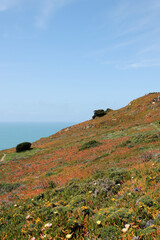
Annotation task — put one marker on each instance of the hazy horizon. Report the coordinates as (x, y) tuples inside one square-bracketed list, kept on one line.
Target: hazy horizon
[(13, 133)]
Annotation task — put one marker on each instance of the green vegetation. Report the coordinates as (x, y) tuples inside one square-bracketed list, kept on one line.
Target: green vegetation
[(118, 174), (8, 187), (108, 110), (110, 233), (83, 209), (14, 156), (99, 113), (48, 174), (146, 138), (89, 144), (23, 147)]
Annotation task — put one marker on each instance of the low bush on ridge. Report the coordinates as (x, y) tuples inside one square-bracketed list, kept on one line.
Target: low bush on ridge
[(101, 112)]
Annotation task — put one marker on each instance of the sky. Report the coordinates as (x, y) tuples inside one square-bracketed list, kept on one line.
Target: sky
[(62, 59)]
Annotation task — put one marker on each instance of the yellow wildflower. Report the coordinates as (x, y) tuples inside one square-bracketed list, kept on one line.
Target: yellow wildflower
[(38, 220), (84, 207)]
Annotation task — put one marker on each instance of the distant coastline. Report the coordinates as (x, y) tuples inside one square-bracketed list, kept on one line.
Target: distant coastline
[(13, 133)]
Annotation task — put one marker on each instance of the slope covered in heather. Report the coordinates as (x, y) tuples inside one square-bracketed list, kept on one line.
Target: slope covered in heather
[(87, 181)]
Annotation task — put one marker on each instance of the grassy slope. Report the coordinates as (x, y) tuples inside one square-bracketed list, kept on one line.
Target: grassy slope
[(130, 140)]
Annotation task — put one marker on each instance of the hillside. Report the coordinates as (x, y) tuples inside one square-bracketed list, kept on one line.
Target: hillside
[(96, 180)]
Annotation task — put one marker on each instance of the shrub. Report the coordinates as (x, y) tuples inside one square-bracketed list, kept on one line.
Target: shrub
[(99, 113), (115, 216), (103, 213), (123, 144), (147, 156), (146, 138), (51, 184), (131, 145), (8, 187), (118, 174), (143, 204), (23, 147), (110, 233), (122, 215), (78, 201), (103, 187), (73, 224), (147, 232), (48, 174), (108, 110), (99, 174), (39, 197), (89, 144), (72, 188), (84, 211), (146, 201), (62, 211)]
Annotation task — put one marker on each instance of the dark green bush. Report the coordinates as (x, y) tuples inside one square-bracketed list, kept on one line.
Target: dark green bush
[(99, 113), (89, 144), (23, 147)]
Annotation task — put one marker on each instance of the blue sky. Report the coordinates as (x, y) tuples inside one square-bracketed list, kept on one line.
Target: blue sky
[(62, 59)]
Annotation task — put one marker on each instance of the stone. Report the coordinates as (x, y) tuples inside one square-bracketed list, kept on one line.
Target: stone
[(136, 189), (149, 223), (120, 196), (138, 200)]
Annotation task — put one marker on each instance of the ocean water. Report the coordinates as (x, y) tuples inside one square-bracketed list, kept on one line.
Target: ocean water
[(12, 134)]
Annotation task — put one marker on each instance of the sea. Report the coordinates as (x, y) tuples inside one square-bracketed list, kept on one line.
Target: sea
[(12, 134)]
